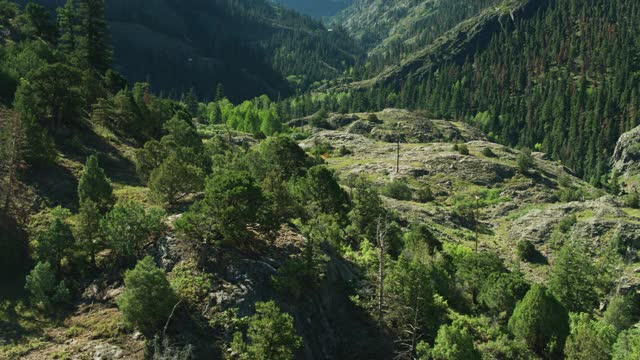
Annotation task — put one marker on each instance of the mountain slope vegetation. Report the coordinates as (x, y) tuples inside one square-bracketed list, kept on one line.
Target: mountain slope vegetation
[(248, 46), (393, 30), (316, 8), (554, 76), (418, 214)]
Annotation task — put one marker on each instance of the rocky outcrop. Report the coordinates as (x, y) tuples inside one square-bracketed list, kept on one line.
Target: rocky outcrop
[(626, 159)]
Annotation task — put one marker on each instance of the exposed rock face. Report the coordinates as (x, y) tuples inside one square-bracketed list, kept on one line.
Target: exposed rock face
[(331, 326), (626, 158)]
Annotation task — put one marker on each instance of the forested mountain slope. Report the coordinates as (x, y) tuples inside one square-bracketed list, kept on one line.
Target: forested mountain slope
[(316, 8), (394, 30), (250, 46), (559, 76)]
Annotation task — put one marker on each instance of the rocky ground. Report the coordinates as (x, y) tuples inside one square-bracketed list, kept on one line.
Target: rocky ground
[(523, 205)]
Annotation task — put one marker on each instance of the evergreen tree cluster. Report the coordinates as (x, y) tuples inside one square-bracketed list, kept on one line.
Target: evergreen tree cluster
[(561, 81)]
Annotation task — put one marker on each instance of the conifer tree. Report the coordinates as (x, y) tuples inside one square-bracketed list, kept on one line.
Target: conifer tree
[(95, 186), (93, 45)]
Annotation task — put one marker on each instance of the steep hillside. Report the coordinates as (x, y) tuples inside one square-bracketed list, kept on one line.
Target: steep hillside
[(249, 46), (316, 8), (393, 30), (513, 206), (555, 76)]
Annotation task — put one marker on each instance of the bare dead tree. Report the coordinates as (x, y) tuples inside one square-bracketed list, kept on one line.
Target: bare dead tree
[(409, 336)]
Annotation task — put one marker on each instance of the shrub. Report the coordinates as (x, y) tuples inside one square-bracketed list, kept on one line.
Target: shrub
[(541, 322), (398, 190), (344, 151), (526, 250), (270, 336), (589, 339), (128, 226), (572, 194), (566, 223), (44, 288), (474, 270), (174, 180), (564, 181), (628, 345), (373, 118), (632, 200), (421, 235), (232, 201), (573, 278), (488, 152), (620, 312), (524, 160), (454, 343), (94, 185), (148, 299), (189, 283), (502, 291), (463, 149), (54, 244), (424, 194)]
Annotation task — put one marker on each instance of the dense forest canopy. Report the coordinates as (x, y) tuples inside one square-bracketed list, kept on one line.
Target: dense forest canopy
[(231, 179)]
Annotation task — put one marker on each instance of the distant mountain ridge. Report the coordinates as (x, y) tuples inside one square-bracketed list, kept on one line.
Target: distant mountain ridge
[(316, 8), (250, 46)]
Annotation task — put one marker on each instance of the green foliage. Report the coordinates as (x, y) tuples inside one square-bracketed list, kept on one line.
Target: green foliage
[(621, 312), (488, 152), (147, 299), (454, 343), (281, 155), (573, 278), (421, 235), (501, 292), (128, 227), (424, 194), (270, 336), (462, 149), (45, 290), (541, 322), (506, 348), (589, 339), (627, 346), (232, 201), (87, 229), (475, 268), (190, 283), (367, 209), (53, 244), (573, 194), (632, 200), (526, 250), (51, 91), (412, 304), (397, 189), (373, 118), (524, 160), (319, 192), (292, 278), (150, 157), (173, 180), (95, 186), (566, 223)]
